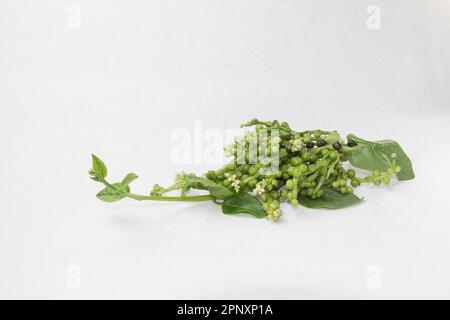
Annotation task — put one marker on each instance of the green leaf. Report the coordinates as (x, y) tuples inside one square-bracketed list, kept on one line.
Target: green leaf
[(367, 157), (128, 179), (332, 199), (98, 167), (214, 189), (243, 203), (377, 156), (388, 147), (113, 194)]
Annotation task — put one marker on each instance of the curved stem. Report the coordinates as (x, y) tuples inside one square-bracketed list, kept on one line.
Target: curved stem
[(160, 198)]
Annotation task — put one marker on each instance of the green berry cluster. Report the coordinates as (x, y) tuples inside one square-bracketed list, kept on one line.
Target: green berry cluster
[(308, 162), (272, 164)]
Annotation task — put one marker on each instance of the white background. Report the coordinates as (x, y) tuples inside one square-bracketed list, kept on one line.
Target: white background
[(134, 72)]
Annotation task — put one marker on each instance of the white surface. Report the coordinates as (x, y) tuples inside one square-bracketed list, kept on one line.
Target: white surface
[(133, 73)]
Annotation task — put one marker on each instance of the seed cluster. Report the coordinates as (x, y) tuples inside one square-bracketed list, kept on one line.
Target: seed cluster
[(308, 162)]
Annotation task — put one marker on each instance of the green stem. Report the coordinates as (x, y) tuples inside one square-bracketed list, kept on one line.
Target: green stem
[(346, 149), (165, 198), (173, 187), (160, 198)]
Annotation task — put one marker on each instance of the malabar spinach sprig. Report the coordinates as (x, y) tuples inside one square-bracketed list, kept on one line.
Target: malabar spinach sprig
[(310, 173)]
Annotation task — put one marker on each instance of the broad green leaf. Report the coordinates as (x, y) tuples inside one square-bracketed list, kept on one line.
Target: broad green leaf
[(98, 167), (113, 194), (388, 147), (128, 179), (367, 157), (214, 189), (377, 156), (243, 202), (332, 199)]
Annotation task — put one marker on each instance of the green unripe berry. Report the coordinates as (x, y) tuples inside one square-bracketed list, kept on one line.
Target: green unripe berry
[(397, 169), (303, 167), (335, 184), (343, 190), (306, 156), (252, 183), (295, 161), (283, 153), (253, 170), (332, 155), (376, 173), (274, 205), (349, 190), (294, 202), (325, 152), (290, 171), (286, 176), (355, 183), (351, 173), (386, 180), (290, 184), (342, 182), (265, 197), (377, 182), (296, 173), (290, 196)]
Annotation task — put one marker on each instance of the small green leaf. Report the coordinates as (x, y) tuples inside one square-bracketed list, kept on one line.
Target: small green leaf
[(113, 194), (98, 167), (128, 179), (243, 203), (332, 199), (377, 156), (214, 189)]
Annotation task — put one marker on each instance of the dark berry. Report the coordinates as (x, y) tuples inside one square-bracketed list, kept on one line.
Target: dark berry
[(322, 143), (337, 146), (310, 145), (352, 143)]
